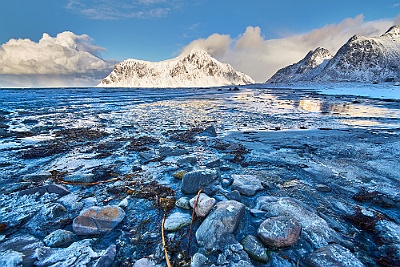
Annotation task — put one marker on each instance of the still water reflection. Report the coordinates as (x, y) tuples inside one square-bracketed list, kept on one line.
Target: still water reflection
[(157, 110)]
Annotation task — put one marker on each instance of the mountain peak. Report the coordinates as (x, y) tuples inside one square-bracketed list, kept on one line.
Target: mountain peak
[(366, 59), (394, 31), (195, 68), (361, 59), (307, 68)]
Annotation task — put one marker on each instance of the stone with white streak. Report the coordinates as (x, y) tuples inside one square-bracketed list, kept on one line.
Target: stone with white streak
[(217, 229), (204, 204)]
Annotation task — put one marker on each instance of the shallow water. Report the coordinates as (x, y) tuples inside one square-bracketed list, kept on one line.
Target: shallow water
[(31, 116)]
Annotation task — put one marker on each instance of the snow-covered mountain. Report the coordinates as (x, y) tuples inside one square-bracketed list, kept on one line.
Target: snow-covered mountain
[(194, 69), (361, 59), (306, 69)]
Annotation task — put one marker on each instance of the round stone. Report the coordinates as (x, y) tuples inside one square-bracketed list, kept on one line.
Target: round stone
[(282, 231)]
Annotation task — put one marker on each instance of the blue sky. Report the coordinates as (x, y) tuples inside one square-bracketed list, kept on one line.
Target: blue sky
[(159, 29)]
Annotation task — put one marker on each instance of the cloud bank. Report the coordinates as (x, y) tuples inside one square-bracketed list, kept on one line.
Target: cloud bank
[(67, 58), (122, 9), (260, 58)]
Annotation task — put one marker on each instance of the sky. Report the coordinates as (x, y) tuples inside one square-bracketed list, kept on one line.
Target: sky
[(77, 42)]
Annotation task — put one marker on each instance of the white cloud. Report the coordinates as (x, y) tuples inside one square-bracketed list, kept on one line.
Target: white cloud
[(65, 56), (122, 9), (259, 57), (216, 44)]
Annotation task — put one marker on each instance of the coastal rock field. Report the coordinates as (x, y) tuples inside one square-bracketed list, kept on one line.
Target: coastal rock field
[(198, 177)]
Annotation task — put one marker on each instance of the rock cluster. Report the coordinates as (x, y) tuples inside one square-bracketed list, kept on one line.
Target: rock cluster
[(217, 213)]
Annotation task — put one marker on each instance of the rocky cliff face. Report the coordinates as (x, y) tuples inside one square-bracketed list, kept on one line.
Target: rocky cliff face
[(361, 59), (306, 69), (195, 69)]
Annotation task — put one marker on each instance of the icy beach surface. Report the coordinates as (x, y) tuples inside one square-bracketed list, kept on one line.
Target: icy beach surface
[(325, 157)]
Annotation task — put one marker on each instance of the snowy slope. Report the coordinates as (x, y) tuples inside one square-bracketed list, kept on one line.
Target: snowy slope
[(306, 69), (195, 69), (361, 59), (366, 59)]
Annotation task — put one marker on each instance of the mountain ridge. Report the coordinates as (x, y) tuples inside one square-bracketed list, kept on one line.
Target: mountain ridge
[(360, 59), (193, 69)]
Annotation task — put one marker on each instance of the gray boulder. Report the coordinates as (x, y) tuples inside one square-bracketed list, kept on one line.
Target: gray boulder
[(21, 249), (59, 238), (198, 260), (314, 229), (177, 221), (217, 229), (332, 256), (98, 220), (183, 203), (256, 250), (77, 254), (247, 185), (108, 257), (277, 232), (193, 181)]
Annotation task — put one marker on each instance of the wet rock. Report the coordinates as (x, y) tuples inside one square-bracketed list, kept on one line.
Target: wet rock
[(10, 258), (77, 254), (168, 151), (71, 202), (332, 255), (88, 202), (80, 178), (4, 133), (374, 197), (148, 155), (24, 208), (226, 182), (18, 245), (204, 204), (107, 259), (365, 218), (59, 238), (258, 213), (234, 255), (183, 203), (192, 159), (51, 215), (247, 185), (323, 188), (217, 229), (145, 262), (193, 181), (98, 220), (314, 229), (198, 260), (234, 195), (209, 131), (256, 250), (51, 188), (177, 221), (124, 203), (213, 163), (277, 232), (388, 234), (226, 168)]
